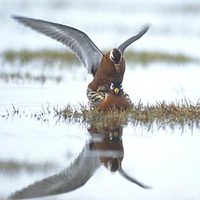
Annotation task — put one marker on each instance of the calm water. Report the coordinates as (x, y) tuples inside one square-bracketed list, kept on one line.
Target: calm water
[(33, 149), (166, 160)]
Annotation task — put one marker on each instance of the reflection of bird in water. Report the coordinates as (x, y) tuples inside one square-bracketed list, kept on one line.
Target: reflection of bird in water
[(105, 148), (107, 70)]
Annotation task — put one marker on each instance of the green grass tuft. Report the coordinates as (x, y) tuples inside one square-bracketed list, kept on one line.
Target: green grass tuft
[(161, 115), (146, 57), (14, 167), (47, 56), (50, 57), (151, 116)]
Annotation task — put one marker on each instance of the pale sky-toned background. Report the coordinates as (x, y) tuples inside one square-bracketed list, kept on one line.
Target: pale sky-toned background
[(167, 160)]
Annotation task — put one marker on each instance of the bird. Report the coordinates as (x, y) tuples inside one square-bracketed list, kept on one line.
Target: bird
[(105, 90), (116, 98), (104, 148)]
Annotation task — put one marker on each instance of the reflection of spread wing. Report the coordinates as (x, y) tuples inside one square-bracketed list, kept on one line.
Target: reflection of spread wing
[(71, 178), (133, 180), (76, 40)]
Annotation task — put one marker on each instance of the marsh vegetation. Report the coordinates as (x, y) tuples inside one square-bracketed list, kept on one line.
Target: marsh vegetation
[(45, 118), (52, 57)]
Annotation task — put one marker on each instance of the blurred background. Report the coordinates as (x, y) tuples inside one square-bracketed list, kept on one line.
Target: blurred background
[(174, 23), (162, 66), (171, 42)]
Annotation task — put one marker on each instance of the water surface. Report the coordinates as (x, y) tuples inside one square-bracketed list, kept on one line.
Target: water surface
[(34, 143)]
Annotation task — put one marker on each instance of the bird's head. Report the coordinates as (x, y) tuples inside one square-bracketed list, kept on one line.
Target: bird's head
[(116, 58)]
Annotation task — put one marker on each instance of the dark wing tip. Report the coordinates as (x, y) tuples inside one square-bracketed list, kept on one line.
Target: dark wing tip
[(19, 18), (13, 16), (23, 18), (133, 180), (145, 29), (134, 38), (16, 17)]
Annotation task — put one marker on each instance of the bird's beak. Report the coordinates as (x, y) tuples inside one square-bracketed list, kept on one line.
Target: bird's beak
[(116, 90), (117, 67)]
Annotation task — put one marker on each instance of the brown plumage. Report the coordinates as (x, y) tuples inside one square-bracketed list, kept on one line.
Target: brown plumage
[(110, 142), (107, 70), (107, 73), (113, 100)]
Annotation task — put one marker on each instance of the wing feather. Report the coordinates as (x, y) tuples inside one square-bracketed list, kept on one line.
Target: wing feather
[(76, 40), (71, 178), (132, 39)]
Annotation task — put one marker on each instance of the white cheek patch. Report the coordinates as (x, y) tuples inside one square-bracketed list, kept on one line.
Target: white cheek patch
[(111, 55)]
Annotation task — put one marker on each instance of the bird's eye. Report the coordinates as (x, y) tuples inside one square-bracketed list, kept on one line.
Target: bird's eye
[(115, 56)]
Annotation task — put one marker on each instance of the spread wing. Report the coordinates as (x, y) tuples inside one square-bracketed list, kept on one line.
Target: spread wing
[(132, 179), (76, 40), (71, 178), (125, 44)]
